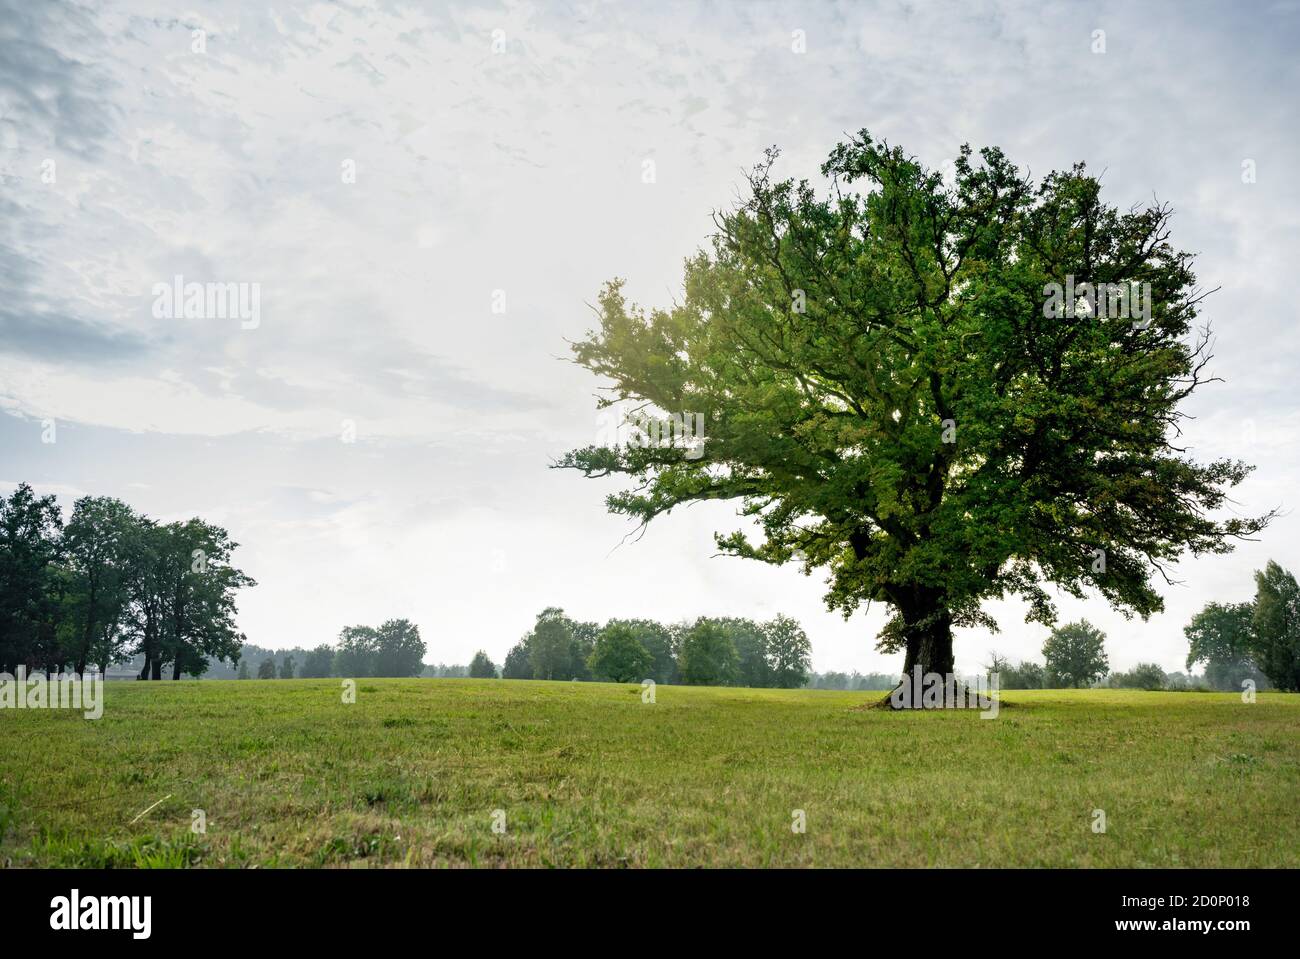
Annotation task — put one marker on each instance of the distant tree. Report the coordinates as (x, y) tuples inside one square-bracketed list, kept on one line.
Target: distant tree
[(619, 656), (580, 649), (266, 670), (1221, 636), (243, 669), (659, 643), (996, 664), (708, 656), (29, 549), (750, 641), (318, 663), (481, 667), (94, 544), (1142, 676), (399, 650), (1025, 675), (1075, 654), (789, 653), (355, 654), (287, 667), (1275, 627), (551, 645), (519, 663)]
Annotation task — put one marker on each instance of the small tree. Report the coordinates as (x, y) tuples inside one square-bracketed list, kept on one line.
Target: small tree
[(287, 667), (708, 656), (789, 653), (619, 656), (267, 669), (481, 667), (1275, 642), (1075, 654), (243, 669), (1142, 676)]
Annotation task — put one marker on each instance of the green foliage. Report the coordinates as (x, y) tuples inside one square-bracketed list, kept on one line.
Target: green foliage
[(1075, 654), (1275, 627), (619, 656), (708, 655), (1142, 676), (243, 669), (789, 653), (519, 663), (481, 667), (266, 669), (1221, 636), (659, 641), (887, 399), (394, 649), (318, 663), (287, 667)]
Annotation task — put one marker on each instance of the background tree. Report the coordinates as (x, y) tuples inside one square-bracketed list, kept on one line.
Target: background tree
[(789, 653), (658, 641), (29, 549), (1075, 654), (551, 645), (1275, 627), (482, 667), (287, 667), (318, 663), (708, 656), (355, 653), (399, 650), (199, 586), (243, 669), (519, 662), (94, 547), (1147, 676), (619, 656), (750, 641), (887, 398), (266, 669), (1221, 636)]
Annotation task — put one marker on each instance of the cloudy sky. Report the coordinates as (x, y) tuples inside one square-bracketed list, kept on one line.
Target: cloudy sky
[(499, 150)]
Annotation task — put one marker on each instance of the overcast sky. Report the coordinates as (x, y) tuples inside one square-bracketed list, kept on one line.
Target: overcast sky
[(519, 169)]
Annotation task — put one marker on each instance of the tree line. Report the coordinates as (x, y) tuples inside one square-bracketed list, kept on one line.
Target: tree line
[(710, 651), (1256, 641), (112, 583)]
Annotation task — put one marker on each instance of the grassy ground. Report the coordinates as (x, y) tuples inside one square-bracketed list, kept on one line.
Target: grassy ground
[(588, 775)]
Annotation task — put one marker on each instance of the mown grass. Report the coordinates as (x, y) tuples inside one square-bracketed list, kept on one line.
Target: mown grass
[(589, 775)]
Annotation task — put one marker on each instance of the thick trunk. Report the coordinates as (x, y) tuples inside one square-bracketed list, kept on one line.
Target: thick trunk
[(176, 670), (928, 628), (156, 671)]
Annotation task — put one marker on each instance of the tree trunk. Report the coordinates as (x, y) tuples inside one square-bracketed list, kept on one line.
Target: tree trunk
[(156, 671), (927, 630), (176, 670), (927, 625)]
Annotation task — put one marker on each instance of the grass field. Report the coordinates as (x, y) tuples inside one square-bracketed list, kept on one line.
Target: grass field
[(589, 775)]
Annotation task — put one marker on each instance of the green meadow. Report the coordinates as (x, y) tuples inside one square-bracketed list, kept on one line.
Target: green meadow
[(487, 773)]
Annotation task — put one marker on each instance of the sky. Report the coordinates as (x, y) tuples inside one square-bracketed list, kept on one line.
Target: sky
[(428, 197)]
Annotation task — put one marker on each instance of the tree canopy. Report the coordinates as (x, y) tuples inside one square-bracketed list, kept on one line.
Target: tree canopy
[(893, 392)]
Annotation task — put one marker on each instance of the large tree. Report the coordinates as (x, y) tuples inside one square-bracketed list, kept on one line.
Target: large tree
[(892, 392)]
